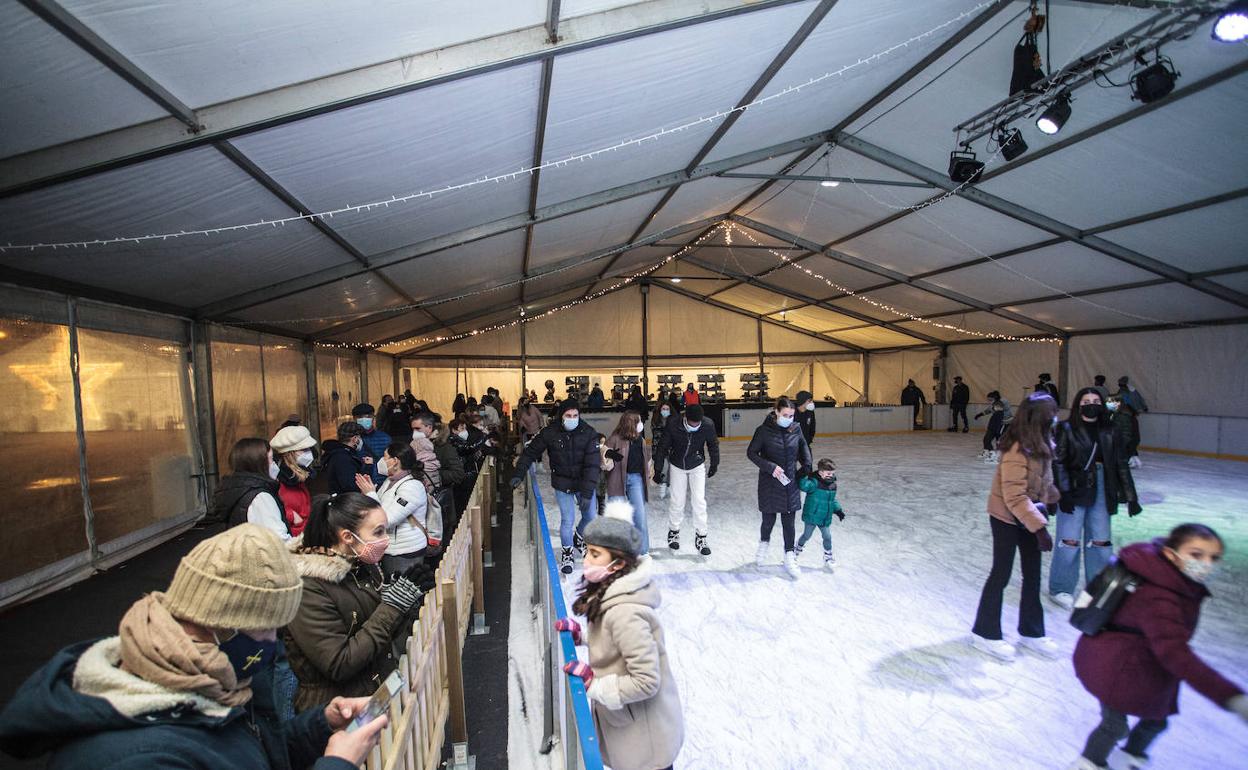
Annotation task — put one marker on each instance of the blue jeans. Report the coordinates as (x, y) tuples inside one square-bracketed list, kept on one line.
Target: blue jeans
[(635, 488), (1076, 533), (569, 506), (809, 530)]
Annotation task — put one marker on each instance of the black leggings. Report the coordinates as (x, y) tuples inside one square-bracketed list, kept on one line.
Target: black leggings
[(996, 426), (786, 526), (1006, 538)]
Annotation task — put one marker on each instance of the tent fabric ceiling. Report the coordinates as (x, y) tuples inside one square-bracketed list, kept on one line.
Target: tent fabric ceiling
[(1182, 154)]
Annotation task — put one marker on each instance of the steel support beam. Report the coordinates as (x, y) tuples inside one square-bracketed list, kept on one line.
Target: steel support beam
[(539, 141), (818, 178), (552, 21), (280, 106), (85, 38)]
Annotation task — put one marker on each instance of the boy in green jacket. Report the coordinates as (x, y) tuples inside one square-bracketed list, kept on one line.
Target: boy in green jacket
[(820, 507)]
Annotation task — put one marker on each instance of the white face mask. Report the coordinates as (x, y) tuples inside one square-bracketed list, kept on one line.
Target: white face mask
[(273, 469), (383, 466), (463, 435), (665, 412), (419, 434), (641, 426), (305, 458), (810, 407)]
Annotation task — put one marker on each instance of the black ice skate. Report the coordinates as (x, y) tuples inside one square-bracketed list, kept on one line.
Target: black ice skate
[(565, 561), (578, 542), (673, 539), (699, 542)]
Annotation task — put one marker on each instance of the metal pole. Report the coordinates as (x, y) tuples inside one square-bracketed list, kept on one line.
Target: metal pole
[(314, 407), (645, 339), (205, 410), (84, 477), (1063, 369), (264, 393), (761, 363), (866, 378)]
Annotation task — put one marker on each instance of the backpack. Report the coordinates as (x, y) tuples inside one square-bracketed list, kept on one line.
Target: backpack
[(1097, 603)]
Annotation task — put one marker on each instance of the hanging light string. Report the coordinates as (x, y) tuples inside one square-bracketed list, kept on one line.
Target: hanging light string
[(788, 262), (444, 338), (513, 175)]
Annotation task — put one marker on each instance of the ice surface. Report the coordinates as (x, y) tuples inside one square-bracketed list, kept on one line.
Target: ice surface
[(869, 667)]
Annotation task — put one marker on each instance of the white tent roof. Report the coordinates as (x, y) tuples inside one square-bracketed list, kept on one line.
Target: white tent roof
[(126, 119)]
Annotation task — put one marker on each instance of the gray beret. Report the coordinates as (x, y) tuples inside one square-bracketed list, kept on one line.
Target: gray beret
[(615, 534)]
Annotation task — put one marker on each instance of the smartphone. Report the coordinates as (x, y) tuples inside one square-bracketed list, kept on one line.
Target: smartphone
[(784, 478), (379, 704)]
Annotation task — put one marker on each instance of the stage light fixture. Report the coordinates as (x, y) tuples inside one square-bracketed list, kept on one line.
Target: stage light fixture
[(1055, 115), (1154, 81), (1231, 26), (963, 167), (1011, 143)]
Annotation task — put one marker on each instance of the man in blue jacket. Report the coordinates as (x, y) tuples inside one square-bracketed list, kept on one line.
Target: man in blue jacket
[(344, 457), (375, 439)]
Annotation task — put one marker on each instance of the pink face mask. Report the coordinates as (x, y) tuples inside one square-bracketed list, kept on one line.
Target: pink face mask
[(595, 573), (373, 550)]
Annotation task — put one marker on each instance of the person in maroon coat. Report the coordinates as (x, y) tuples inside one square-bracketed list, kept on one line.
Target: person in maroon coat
[(1135, 665)]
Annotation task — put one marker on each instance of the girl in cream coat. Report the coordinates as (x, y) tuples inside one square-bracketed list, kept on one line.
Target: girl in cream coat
[(628, 677)]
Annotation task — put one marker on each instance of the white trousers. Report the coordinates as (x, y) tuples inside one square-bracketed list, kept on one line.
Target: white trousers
[(682, 482)]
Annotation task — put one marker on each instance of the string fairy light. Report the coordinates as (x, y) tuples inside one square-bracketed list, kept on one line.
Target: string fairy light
[(511, 175)]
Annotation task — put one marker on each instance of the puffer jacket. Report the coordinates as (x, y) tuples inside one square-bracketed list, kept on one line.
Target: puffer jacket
[(821, 503), (574, 460), (774, 446), (1075, 465), (687, 449), (1019, 483), (235, 494), (341, 641), (635, 700)]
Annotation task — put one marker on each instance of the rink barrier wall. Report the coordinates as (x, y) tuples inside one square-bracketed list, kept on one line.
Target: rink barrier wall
[(433, 694), (568, 720)]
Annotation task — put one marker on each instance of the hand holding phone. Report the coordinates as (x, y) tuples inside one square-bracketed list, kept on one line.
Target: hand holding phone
[(379, 704)]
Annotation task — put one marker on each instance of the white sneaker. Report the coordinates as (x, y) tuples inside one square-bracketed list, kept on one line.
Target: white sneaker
[(1063, 600), (1121, 760), (760, 556), (1083, 763), (1134, 462), (1041, 645), (997, 648), (790, 565)]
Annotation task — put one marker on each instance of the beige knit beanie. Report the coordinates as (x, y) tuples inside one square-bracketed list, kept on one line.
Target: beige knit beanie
[(243, 578)]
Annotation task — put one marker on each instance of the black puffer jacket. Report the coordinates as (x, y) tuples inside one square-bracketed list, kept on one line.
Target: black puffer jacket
[(574, 460), (806, 421), (1074, 466), (234, 495), (685, 449), (787, 448), (961, 395)]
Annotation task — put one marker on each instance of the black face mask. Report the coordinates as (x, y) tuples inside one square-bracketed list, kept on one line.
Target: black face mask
[(1092, 411)]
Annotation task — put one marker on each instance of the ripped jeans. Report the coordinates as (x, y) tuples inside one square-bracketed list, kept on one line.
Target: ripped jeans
[(1078, 533)]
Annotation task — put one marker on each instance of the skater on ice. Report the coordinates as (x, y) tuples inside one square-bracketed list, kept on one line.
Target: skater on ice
[(779, 450), (819, 508)]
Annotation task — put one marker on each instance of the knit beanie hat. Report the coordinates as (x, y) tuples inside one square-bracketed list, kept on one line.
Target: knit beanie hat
[(243, 578), (614, 532), (292, 438), (803, 396), (693, 413), (570, 403)]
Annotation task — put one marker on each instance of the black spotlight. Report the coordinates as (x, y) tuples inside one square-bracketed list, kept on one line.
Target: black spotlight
[(1154, 81), (1011, 143), (1055, 115), (963, 167)]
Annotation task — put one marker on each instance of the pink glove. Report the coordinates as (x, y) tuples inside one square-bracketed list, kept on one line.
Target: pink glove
[(581, 669), (569, 624)]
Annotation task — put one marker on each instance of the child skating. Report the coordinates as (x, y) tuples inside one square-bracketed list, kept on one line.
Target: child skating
[(820, 506)]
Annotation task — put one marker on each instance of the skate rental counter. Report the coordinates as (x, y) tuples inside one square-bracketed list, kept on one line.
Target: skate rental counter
[(738, 421)]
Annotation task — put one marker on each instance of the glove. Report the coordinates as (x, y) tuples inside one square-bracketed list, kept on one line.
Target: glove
[(840, 515), (614, 454), (658, 477), (711, 471), (1045, 540), (1239, 705), (581, 669), (516, 481), (1066, 505), (402, 594), (1044, 510), (569, 624), (1134, 509)]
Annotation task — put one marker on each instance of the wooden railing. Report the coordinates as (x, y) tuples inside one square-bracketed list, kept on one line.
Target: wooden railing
[(431, 666)]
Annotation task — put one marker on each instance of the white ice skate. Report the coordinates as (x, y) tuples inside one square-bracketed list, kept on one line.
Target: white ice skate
[(1121, 760), (760, 556), (1082, 763), (993, 458), (1134, 462), (1041, 645), (790, 565), (1063, 600), (997, 648), (829, 562)]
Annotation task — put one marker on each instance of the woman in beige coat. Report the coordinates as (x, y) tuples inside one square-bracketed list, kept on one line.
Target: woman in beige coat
[(628, 677)]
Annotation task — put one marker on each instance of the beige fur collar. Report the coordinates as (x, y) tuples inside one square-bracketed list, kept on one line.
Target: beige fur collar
[(319, 563), (98, 673)]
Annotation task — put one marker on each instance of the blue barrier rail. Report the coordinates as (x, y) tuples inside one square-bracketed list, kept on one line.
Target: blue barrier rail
[(582, 715)]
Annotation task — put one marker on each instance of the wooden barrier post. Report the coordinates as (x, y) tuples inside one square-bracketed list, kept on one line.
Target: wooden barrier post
[(486, 514), (478, 573), (460, 760)]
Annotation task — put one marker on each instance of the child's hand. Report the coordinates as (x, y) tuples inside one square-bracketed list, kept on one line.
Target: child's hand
[(840, 515), (569, 624), (581, 669)]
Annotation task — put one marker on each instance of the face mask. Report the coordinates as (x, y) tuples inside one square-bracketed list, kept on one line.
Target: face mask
[(248, 656), (641, 426), (273, 470), (373, 550), (366, 423), (305, 458), (692, 428), (595, 573), (419, 434), (1200, 571), (570, 423), (784, 422), (1091, 411), (463, 435), (1112, 406), (810, 407), (665, 412), (383, 466)]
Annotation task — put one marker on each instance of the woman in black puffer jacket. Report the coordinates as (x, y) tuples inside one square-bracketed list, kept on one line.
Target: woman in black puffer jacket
[(781, 453)]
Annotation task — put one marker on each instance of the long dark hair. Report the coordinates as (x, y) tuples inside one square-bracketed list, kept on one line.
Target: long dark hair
[(1076, 418), (589, 603), (626, 428), (330, 514), (784, 402), (250, 455), (403, 452), (1032, 428)]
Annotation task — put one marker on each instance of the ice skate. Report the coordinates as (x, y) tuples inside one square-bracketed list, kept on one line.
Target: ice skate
[(994, 458), (790, 565), (951, 429), (1063, 600), (1082, 763), (797, 549), (673, 539), (1041, 645), (1134, 462), (578, 543), (997, 648), (700, 544), (829, 561), (1121, 760), (966, 430), (760, 556), (566, 561)]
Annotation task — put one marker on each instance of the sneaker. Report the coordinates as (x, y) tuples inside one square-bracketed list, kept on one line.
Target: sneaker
[(760, 556), (1063, 600), (1041, 645), (1083, 763), (566, 561), (1121, 760), (997, 648), (1134, 462), (578, 543), (699, 542), (790, 565), (828, 560), (673, 539)]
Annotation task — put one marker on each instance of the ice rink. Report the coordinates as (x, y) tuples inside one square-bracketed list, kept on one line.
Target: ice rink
[(868, 667)]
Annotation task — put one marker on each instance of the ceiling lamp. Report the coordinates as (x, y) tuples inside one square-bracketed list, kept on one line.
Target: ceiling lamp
[(829, 183), (1231, 26), (963, 167), (1056, 115), (1154, 81), (1011, 143)]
